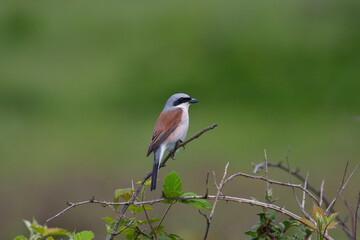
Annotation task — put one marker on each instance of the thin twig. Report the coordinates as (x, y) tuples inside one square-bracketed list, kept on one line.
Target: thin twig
[(72, 205), (303, 200), (351, 213), (207, 184), (321, 192), (274, 182), (293, 189), (215, 184), (298, 175), (342, 187), (163, 217), (356, 215), (128, 225), (221, 185), (266, 176), (148, 219)]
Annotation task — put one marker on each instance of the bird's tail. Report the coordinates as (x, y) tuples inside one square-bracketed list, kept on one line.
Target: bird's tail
[(154, 173), (157, 159)]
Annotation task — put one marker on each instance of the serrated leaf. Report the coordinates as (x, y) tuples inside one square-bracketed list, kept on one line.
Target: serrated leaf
[(55, 231), (109, 220), (317, 211), (308, 223), (84, 235), (21, 237), (147, 207), (172, 185), (199, 203), (251, 233), (163, 238), (332, 225), (332, 217), (173, 236), (38, 229), (125, 193), (155, 219), (28, 225)]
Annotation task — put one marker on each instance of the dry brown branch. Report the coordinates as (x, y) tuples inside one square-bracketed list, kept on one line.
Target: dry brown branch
[(297, 174), (163, 217), (342, 186), (274, 182), (221, 185), (303, 200), (356, 215), (321, 192), (266, 174)]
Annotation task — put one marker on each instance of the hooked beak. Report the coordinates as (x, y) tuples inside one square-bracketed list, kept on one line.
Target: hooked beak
[(193, 100)]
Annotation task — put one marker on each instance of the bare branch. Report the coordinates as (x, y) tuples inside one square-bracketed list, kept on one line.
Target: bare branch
[(274, 182), (293, 189), (303, 200), (72, 205), (321, 192), (266, 174), (163, 217), (356, 215), (351, 213), (128, 225), (342, 186), (149, 222), (207, 184), (298, 175), (221, 185)]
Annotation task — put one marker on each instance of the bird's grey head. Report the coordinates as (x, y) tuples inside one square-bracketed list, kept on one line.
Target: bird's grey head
[(179, 100)]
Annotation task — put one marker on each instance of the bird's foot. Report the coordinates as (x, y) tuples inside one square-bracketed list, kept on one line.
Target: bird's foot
[(172, 155), (178, 143)]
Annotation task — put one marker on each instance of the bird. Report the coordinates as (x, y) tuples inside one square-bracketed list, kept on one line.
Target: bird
[(171, 127)]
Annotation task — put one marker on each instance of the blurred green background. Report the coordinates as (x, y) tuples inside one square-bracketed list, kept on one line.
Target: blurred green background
[(82, 84)]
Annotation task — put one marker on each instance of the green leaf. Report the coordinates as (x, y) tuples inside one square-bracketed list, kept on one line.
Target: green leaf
[(155, 219), (173, 236), (55, 231), (172, 185), (38, 229), (135, 209), (125, 193), (84, 235), (331, 218), (49, 238), (199, 203), (163, 238), (21, 237), (251, 233), (28, 225), (109, 220)]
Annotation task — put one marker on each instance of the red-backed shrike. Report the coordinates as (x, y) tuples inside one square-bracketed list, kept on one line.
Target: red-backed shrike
[(171, 126)]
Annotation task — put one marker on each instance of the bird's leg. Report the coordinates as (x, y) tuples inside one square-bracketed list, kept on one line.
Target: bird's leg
[(172, 154), (179, 142)]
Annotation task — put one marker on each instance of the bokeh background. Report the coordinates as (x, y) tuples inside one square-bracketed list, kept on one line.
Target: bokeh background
[(82, 83)]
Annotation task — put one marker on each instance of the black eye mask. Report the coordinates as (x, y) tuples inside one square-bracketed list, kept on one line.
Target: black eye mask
[(182, 100)]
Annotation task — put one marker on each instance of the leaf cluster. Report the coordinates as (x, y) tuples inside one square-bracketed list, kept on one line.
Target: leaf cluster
[(266, 228), (42, 232), (131, 227)]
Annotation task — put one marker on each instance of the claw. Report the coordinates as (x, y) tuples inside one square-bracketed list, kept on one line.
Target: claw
[(172, 155)]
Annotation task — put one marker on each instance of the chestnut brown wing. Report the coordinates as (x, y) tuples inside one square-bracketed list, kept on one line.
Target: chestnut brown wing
[(165, 125)]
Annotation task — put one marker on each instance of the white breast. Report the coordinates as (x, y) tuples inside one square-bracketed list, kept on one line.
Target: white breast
[(180, 132)]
